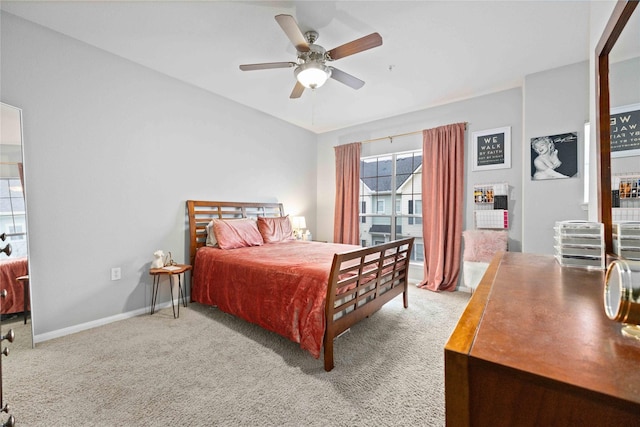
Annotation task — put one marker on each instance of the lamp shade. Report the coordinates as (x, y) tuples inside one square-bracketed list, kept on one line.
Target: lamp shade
[(312, 74), (298, 222)]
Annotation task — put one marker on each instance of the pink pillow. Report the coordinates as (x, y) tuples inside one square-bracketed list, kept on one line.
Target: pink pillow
[(275, 229), (482, 245), (236, 233)]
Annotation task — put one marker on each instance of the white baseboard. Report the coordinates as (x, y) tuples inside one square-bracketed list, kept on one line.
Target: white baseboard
[(100, 322)]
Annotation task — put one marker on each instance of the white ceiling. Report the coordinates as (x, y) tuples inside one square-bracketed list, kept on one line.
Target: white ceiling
[(433, 52)]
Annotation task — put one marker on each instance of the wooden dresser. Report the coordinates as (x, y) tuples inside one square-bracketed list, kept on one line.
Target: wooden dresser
[(534, 347)]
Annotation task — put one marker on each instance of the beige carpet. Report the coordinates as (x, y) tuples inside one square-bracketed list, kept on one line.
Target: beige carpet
[(208, 368)]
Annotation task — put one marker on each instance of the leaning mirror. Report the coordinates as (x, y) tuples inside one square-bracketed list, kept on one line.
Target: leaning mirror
[(624, 95), (14, 272), (614, 53)]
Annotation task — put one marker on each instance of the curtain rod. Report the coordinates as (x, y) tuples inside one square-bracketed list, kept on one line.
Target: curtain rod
[(390, 137), (10, 163)]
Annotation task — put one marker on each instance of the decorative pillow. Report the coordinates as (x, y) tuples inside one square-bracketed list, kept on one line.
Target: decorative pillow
[(275, 229), (482, 245), (237, 233), (211, 237)]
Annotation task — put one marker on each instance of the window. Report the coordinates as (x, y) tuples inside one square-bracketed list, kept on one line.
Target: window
[(417, 254), (393, 180), (587, 141), (415, 208)]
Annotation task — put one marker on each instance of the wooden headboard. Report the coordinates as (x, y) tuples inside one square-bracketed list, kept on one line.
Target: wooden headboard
[(202, 212)]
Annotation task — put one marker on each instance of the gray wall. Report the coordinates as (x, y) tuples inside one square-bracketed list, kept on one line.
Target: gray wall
[(112, 152), (550, 102), (555, 102), (486, 112)]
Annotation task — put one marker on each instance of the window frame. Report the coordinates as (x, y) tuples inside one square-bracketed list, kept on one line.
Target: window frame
[(417, 254), (395, 195)]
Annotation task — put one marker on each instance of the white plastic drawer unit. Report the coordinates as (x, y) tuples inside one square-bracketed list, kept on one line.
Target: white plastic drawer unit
[(626, 239), (580, 244)]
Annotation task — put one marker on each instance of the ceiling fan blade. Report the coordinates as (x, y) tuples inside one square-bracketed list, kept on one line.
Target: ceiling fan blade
[(356, 46), (346, 78), (297, 91), (267, 66), (291, 29)]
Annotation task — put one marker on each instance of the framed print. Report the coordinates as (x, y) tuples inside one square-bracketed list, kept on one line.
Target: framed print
[(491, 149), (554, 156), (625, 131)]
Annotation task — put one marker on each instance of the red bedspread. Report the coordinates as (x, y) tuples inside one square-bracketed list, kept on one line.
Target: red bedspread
[(10, 270), (280, 286)]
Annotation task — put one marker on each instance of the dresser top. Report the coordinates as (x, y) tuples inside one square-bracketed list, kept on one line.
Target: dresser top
[(543, 319)]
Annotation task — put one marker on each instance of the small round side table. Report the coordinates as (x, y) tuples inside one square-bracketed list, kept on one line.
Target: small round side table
[(178, 270)]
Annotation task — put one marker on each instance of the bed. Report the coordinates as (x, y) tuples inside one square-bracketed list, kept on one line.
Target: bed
[(308, 292), (10, 270)]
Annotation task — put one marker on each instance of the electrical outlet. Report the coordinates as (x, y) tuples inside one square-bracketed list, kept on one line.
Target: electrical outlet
[(116, 273)]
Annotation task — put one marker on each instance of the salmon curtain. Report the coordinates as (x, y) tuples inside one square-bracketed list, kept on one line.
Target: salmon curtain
[(442, 190), (346, 227)]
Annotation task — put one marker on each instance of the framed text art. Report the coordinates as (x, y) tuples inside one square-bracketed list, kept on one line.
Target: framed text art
[(554, 156), (625, 131), (491, 149)]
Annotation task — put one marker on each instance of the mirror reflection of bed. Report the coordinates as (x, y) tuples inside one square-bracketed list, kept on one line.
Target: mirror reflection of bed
[(14, 279), (14, 271)]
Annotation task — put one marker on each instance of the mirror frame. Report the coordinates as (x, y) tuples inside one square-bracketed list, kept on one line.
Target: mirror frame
[(621, 14)]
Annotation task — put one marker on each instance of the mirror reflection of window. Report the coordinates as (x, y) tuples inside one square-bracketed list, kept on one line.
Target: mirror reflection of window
[(12, 215), (587, 162), (12, 206)]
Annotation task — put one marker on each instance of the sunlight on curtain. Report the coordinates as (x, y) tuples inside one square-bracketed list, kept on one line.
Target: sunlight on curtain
[(346, 226), (442, 190)]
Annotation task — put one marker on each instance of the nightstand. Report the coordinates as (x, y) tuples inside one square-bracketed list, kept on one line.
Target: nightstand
[(170, 271)]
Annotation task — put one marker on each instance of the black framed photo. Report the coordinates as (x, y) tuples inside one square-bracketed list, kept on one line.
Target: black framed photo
[(491, 149), (625, 131), (554, 156)]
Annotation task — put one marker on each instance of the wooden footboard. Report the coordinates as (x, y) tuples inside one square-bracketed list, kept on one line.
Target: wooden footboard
[(361, 282)]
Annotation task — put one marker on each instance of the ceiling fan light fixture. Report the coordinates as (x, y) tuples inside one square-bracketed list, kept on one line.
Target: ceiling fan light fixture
[(312, 74), (311, 71)]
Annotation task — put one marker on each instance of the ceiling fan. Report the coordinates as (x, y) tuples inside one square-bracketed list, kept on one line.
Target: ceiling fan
[(311, 69)]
